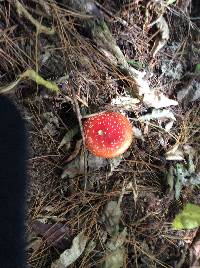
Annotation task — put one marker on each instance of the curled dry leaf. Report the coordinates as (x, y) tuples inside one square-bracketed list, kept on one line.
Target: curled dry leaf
[(157, 114), (182, 174), (125, 102), (159, 8), (138, 133), (70, 255), (163, 35), (190, 92), (162, 115), (76, 166), (158, 100), (191, 153), (75, 152), (114, 163), (68, 137), (175, 153), (9, 87)]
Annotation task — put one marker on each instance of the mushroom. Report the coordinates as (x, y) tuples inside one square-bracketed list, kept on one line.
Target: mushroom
[(107, 134)]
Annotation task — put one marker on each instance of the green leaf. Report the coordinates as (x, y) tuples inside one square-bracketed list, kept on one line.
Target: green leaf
[(189, 218), (170, 2), (40, 28), (34, 76), (197, 68), (135, 63)]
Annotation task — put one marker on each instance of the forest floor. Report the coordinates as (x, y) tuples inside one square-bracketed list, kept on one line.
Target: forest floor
[(140, 58)]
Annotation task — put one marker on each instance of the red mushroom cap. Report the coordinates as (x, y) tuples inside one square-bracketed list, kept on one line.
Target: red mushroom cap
[(107, 134)]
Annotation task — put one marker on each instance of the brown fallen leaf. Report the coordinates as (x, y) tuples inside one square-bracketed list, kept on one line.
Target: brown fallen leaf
[(163, 37), (75, 152), (58, 235)]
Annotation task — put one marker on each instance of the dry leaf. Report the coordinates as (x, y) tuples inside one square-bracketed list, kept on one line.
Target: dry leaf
[(158, 100), (138, 133), (58, 235), (115, 254), (111, 216), (115, 259), (76, 166), (157, 114), (195, 251), (34, 76), (69, 256), (40, 28), (162, 115), (175, 153), (68, 137), (126, 102), (190, 92), (170, 68), (114, 163), (75, 152), (52, 123), (164, 35), (168, 126)]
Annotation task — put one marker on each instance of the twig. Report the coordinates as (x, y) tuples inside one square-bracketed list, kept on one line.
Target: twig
[(79, 116), (40, 28), (107, 12)]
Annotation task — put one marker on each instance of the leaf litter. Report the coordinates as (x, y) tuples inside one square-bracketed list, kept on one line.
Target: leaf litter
[(150, 89), (58, 235), (185, 173), (115, 255), (69, 256)]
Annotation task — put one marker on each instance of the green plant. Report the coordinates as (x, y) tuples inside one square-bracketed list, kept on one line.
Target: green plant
[(189, 218)]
